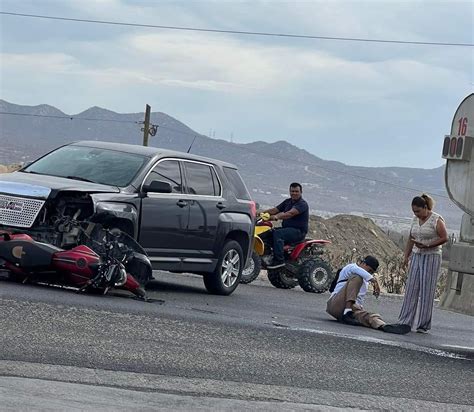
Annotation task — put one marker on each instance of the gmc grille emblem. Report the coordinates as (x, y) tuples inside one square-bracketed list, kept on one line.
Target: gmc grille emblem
[(13, 205)]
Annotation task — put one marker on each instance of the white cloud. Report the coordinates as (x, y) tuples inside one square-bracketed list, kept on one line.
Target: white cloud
[(255, 87), (51, 63), (204, 61)]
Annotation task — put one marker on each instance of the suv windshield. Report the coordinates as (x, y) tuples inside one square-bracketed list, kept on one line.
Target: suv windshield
[(90, 164)]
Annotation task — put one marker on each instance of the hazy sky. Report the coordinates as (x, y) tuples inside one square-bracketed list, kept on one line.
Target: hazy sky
[(371, 104)]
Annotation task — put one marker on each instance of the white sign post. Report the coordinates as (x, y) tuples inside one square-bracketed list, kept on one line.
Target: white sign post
[(458, 150)]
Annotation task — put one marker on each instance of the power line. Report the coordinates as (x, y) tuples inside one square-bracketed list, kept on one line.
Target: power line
[(241, 32), (327, 169), (69, 117)]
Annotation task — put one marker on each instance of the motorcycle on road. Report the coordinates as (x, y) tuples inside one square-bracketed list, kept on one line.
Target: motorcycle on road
[(112, 264)]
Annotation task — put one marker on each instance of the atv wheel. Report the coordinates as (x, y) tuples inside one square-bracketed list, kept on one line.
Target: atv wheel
[(252, 270), (315, 276), (281, 278), (226, 276)]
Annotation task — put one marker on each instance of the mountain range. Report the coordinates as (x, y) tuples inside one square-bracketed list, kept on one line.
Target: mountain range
[(27, 132)]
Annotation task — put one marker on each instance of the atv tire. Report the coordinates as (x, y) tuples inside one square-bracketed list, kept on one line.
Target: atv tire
[(281, 278), (252, 270), (315, 276)]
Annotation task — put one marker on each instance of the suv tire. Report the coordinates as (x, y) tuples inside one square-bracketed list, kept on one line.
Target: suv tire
[(228, 271)]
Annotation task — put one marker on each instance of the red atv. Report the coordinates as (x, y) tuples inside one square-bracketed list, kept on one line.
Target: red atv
[(303, 262)]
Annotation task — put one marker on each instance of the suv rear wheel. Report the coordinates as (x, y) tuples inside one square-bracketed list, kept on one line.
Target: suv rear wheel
[(228, 272)]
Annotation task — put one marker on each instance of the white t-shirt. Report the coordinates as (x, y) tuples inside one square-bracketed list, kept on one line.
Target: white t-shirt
[(346, 273)]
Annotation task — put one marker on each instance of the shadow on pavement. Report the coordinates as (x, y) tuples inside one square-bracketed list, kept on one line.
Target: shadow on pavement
[(163, 286)]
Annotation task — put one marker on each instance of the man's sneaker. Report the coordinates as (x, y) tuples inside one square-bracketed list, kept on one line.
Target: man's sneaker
[(349, 319), (422, 330), (398, 328), (276, 264)]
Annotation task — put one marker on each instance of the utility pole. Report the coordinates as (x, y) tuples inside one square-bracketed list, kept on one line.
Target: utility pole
[(146, 126)]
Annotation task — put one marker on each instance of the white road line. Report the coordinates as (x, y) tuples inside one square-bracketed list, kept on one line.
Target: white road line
[(369, 339), (458, 347)]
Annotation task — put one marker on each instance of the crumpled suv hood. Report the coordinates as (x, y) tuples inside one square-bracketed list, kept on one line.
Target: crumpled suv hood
[(42, 186)]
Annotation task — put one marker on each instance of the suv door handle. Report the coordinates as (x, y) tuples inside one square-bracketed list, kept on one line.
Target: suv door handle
[(220, 205), (182, 203)]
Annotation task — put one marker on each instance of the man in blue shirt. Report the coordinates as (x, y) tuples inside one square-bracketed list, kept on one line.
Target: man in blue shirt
[(294, 214)]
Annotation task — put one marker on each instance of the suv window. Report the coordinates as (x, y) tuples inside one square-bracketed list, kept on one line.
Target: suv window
[(109, 167), (200, 179), (167, 171), (237, 184)]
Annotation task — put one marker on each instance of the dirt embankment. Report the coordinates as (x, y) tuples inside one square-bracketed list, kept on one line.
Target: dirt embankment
[(355, 237), (348, 232)]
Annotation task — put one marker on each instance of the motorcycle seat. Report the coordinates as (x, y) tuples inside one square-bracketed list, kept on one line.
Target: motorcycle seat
[(26, 254)]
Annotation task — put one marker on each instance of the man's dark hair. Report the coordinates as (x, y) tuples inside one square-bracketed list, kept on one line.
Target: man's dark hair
[(372, 262), (294, 184)]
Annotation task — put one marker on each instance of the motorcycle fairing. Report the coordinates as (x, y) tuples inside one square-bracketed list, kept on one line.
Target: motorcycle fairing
[(80, 260)]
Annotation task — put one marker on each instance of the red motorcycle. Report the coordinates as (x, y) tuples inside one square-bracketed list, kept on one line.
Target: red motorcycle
[(26, 260), (303, 262)]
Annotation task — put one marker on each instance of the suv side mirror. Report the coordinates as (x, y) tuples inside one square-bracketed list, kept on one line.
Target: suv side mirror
[(157, 186)]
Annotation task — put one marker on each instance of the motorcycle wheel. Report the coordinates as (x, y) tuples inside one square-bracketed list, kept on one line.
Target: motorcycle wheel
[(281, 278), (315, 276), (252, 270), (140, 271), (226, 277)]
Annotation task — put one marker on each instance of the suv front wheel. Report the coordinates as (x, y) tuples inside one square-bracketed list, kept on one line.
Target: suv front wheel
[(228, 272)]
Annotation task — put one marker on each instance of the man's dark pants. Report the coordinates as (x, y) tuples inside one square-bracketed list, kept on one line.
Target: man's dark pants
[(282, 236)]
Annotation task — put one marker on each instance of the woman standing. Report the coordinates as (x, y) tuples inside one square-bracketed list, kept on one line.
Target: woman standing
[(423, 249)]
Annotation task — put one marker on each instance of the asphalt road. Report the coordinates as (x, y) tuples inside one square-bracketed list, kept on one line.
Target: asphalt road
[(260, 348)]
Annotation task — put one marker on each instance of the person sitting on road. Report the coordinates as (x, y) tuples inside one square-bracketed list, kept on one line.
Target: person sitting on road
[(294, 213), (346, 301)]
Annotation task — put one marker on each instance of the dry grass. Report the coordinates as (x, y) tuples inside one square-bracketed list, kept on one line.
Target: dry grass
[(9, 168)]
